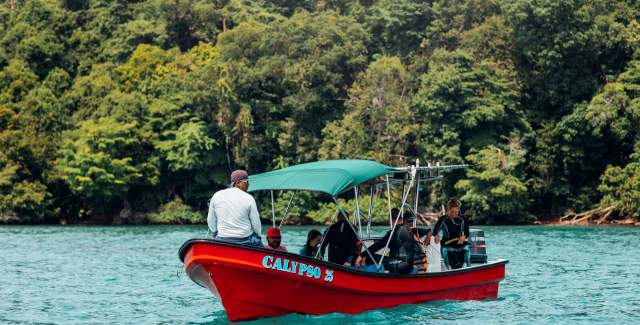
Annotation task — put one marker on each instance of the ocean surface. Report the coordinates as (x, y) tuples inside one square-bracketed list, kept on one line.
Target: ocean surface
[(132, 275)]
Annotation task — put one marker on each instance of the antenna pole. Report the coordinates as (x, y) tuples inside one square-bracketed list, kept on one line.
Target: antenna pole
[(415, 206)]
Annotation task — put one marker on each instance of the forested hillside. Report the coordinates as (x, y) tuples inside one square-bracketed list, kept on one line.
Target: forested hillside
[(138, 110)]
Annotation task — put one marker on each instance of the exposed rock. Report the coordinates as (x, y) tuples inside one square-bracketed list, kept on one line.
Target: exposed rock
[(122, 217), (600, 216), (137, 218)]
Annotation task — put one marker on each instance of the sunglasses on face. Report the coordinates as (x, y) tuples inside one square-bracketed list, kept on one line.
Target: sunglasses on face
[(246, 181)]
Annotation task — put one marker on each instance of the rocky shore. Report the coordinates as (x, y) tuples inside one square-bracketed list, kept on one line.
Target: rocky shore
[(600, 216), (595, 217)]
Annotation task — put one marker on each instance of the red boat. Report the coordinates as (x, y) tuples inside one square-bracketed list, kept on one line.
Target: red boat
[(254, 282)]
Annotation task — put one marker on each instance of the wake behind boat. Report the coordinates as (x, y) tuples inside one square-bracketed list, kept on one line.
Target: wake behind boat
[(255, 282)]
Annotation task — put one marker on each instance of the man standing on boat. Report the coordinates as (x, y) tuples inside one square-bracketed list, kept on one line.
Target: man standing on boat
[(233, 213), (455, 230)]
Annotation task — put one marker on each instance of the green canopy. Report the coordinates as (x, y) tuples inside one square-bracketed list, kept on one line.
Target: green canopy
[(329, 176)]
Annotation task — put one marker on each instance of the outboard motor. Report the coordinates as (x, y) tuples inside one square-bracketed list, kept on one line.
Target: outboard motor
[(478, 246)]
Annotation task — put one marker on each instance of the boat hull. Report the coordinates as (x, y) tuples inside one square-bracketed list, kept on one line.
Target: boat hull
[(255, 282)]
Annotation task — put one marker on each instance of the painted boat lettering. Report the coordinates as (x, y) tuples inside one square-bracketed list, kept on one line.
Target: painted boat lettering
[(301, 269), (328, 275)]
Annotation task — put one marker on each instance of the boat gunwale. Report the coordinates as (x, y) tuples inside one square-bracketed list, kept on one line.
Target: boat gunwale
[(186, 245)]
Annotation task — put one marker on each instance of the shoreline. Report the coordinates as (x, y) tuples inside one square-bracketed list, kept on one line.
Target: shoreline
[(628, 222), (608, 216)]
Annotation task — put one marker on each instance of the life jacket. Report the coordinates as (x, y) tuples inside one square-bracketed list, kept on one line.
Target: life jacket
[(420, 255)]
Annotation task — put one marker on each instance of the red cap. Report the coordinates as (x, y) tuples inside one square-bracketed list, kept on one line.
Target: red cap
[(273, 232)]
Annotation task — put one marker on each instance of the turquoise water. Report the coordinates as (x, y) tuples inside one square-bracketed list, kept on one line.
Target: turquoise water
[(132, 275)]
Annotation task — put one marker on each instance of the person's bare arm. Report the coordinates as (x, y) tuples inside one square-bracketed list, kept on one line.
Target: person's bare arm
[(212, 220)]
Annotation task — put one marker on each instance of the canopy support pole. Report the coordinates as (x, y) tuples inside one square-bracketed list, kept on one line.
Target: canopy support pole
[(370, 212), (323, 236), (273, 210), (355, 189), (405, 191), (286, 211), (389, 201), (404, 200)]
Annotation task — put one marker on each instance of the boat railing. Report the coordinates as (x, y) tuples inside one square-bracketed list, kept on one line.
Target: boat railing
[(413, 176)]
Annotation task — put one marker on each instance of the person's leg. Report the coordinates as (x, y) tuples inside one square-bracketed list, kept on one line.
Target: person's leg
[(229, 240), (370, 268), (467, 255), (445, 250), (253, 240), (405, 268), (397, 266), (390, 265)]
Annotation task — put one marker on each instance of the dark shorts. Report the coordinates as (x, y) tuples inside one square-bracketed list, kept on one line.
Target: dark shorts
[(253, 240)]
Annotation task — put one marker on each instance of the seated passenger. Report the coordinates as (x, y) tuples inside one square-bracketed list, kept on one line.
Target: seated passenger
[(455, 230), (342, 242), (402, 248), (310, 248), (273, 240)]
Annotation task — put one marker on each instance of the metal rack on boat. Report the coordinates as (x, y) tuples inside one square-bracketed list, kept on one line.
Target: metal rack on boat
[(414, 175)]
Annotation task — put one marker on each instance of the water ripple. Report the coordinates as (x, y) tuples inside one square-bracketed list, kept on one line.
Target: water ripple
[(131, 275)]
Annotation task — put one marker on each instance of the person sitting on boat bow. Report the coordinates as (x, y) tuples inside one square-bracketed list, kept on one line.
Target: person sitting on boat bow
[(274, 238), (233, 213), (402, 248), (455, 228), (342, 242), (310, 248)]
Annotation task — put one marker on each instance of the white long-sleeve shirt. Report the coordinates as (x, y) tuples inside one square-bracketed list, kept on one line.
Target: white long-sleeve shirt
[(233, 213)]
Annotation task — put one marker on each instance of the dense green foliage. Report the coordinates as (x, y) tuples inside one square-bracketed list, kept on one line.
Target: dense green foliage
[(327, 212), (176, 212), (146, 106)]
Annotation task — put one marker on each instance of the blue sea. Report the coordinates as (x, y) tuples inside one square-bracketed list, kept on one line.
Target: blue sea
[(132, 275)]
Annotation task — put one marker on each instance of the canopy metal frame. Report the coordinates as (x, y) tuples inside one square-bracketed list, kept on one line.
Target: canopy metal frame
[(416, 177)]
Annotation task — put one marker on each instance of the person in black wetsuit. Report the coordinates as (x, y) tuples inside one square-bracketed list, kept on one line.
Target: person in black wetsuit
[(402, 248), (455, 229), (342, 242)]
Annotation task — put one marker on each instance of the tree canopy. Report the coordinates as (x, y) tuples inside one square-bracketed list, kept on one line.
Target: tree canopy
[(112, 108)]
